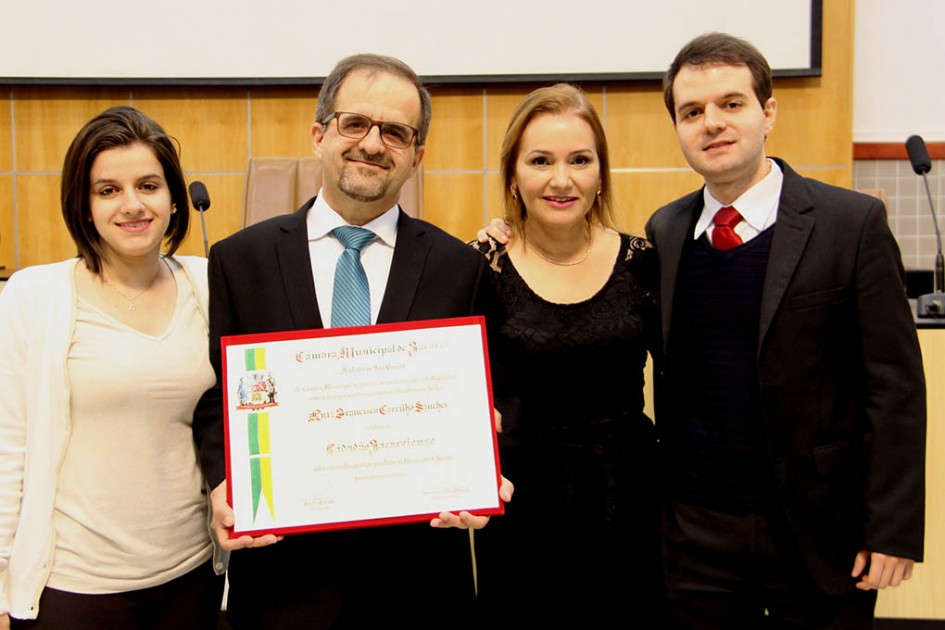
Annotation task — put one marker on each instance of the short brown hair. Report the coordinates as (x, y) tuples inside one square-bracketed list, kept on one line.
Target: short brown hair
[(724, 50), (561, 98), (372, 63), (117, 127)]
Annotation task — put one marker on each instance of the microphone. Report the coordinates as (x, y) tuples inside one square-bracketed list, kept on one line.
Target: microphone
[(930, 304), (918, 155), (200, 198)]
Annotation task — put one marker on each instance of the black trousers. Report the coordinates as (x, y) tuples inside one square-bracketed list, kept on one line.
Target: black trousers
[(397, 577), (190, 602), (726, 571)]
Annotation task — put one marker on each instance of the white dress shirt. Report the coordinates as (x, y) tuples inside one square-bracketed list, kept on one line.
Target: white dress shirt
[(324, 250), (758, 206)]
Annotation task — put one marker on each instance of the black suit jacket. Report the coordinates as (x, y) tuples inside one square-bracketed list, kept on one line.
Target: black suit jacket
[(261, 281), (839, 372)]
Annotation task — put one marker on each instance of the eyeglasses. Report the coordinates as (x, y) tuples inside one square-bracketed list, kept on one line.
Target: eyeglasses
[(356, 127)]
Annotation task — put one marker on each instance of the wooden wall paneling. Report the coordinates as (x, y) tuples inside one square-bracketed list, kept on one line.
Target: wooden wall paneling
[(639, 194), (648, 407), (224, 216), (454, 160), (281, 121), (46, 119), (810, 129), (921, 597), (6, 135), (815, 115), (42, 236), (454, 202), (648, 168), (500, 105), (219, 127), (494, 207), (813, 127), (455, 141), (595, 94), (210, 124), (7, 225), (7, 209), (640, 132)]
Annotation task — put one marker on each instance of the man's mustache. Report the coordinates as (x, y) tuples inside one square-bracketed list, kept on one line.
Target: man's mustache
[(378, 160)]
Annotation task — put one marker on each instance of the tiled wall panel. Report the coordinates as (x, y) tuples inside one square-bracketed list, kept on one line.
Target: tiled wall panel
[(907, 204)]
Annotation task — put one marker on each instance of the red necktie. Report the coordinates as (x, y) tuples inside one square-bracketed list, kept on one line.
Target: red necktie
[(724, 236)]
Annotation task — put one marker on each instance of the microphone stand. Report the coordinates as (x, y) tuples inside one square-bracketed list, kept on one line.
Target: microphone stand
[(933, 304), (206, 247), (200, 198)]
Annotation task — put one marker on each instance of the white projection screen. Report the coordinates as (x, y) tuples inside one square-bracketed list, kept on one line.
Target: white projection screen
[(295, 42)]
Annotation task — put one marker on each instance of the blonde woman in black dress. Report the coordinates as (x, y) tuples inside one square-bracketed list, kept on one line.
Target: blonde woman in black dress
[(568, 349)]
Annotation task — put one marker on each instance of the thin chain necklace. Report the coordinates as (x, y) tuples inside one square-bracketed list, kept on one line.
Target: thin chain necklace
[(131, 300), (547, 258)]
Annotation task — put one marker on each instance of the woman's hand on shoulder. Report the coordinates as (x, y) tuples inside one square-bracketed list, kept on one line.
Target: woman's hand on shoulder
[(497, 230)]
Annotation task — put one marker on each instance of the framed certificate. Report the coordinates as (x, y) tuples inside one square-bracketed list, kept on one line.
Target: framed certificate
[(357, 427)]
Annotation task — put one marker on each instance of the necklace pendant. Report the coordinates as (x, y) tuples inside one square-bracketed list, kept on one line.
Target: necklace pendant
[(132, 307)]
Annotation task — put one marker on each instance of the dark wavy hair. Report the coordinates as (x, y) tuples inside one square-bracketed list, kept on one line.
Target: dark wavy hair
[(719, 49), (117, 127)]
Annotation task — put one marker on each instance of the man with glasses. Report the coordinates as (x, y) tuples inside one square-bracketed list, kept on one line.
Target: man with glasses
[(371, 124)]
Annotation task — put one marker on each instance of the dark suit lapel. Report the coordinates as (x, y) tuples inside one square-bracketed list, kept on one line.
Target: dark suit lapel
[(791, 233), (406, 269), (670, 247), (296, 271)]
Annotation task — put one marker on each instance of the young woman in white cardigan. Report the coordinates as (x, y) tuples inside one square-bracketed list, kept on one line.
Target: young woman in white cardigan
[(103, 515)]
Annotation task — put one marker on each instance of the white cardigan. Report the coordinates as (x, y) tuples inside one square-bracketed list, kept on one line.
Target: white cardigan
[(37, 321)]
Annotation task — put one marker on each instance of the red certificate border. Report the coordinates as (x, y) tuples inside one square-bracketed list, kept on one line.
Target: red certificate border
[(230, 340)]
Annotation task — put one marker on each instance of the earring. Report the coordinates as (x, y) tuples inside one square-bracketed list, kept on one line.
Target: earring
[(514, 193), (174, 206), (598, 192)]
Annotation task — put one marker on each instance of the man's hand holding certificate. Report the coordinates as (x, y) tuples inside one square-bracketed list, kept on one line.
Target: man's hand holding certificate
[(357, 427)]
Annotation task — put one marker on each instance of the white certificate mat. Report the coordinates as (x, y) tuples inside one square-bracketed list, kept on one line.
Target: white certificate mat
[(355, 427)]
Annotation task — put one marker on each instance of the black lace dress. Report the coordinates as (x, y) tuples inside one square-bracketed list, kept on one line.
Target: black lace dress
[(578, 542)]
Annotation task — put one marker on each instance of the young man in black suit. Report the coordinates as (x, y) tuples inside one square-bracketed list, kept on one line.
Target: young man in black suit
[(371, 124), (790, 400)]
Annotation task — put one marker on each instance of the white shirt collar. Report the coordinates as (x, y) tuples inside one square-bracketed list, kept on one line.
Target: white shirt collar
[(758, 205), (322, 219)]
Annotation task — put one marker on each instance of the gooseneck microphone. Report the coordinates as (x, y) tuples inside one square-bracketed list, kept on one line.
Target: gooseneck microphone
[(200, 198), (931, 304)]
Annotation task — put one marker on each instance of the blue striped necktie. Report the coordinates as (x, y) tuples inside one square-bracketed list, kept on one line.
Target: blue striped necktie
[(351, 299)]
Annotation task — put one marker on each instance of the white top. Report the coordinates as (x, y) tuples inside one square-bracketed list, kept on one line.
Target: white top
[(37, 317), (324, 250), (129, 513), (758, 206)]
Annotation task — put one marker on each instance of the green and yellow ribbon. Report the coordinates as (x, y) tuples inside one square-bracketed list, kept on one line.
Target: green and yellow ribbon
[(260, 461), (255, 359)]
